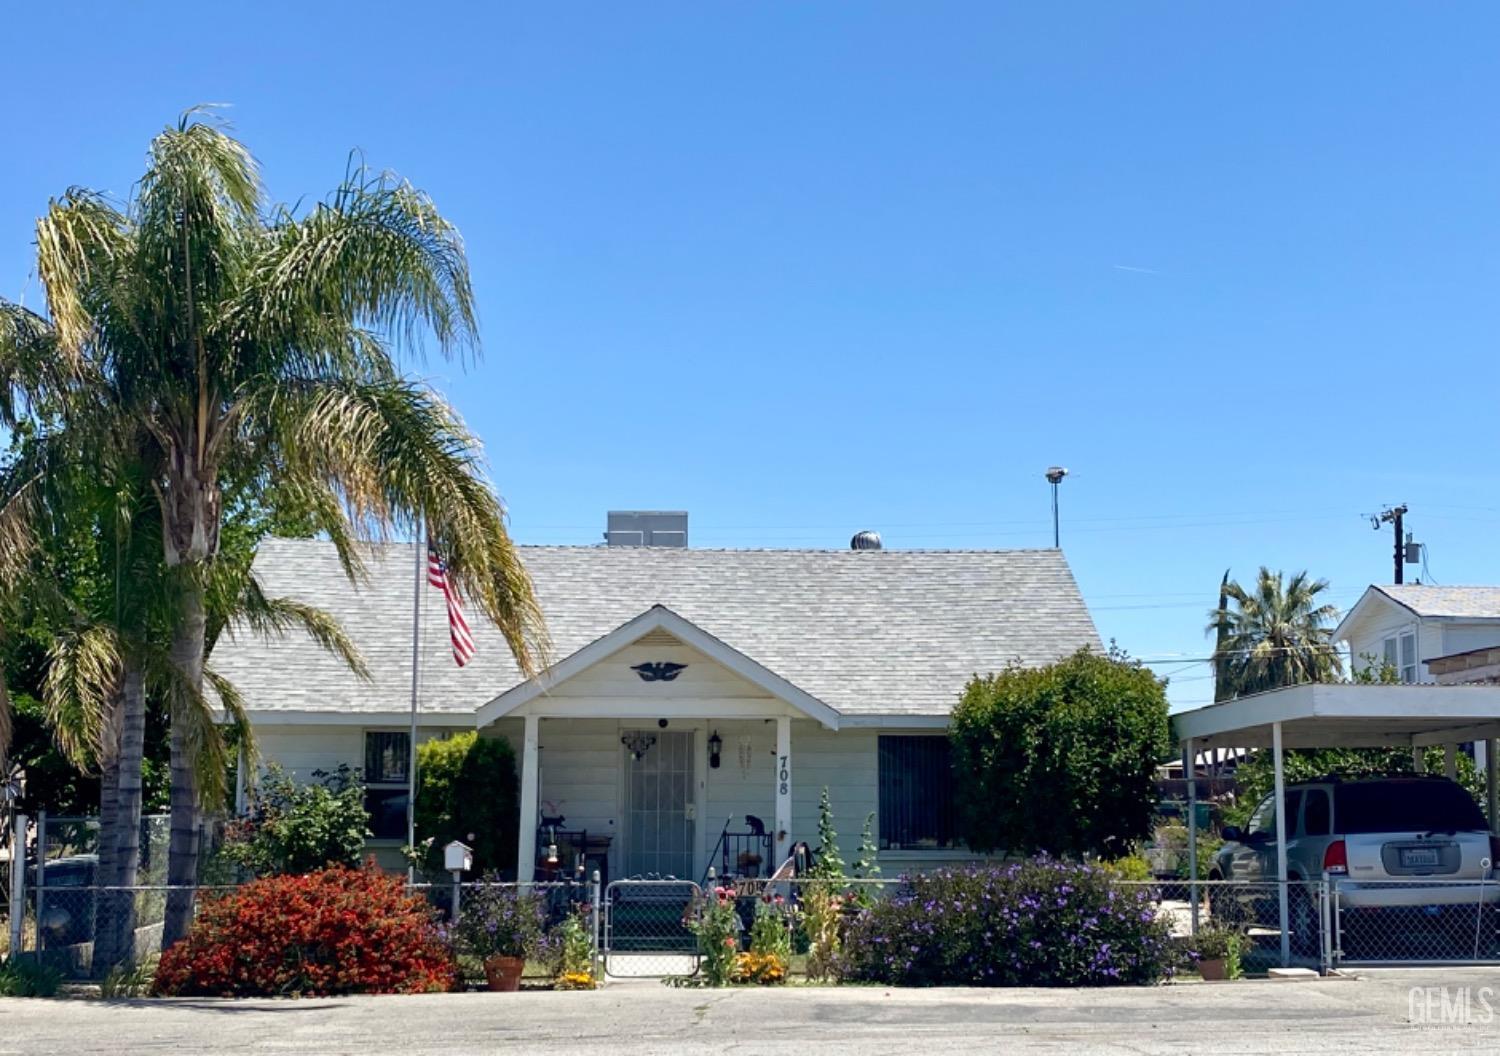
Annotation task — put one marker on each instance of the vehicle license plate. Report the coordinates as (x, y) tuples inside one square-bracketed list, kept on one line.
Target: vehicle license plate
[(1418, 857)]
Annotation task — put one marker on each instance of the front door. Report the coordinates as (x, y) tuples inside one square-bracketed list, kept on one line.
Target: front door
[(659, 809)]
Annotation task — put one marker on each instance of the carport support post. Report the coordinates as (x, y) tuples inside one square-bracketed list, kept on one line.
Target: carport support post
[(526, 854), (1286, 938), (1189, 771), (1450, 762)]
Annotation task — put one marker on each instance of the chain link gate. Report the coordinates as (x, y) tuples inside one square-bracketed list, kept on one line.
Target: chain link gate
[(646, 932), (1418, 922)]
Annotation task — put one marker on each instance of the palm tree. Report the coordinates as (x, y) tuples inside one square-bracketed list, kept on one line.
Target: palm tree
[(260, 344), (1277, 635), (95, 531)]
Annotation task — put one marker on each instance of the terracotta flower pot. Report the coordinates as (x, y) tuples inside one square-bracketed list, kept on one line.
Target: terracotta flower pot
[(1212, 969), (504, 973)]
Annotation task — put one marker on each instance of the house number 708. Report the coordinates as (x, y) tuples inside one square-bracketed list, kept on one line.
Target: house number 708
[(785, 775)]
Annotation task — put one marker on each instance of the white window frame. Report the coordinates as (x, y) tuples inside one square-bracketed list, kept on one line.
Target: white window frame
[(1396, 649)]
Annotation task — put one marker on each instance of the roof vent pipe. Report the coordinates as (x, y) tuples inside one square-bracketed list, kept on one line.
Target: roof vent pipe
[(865, 541)]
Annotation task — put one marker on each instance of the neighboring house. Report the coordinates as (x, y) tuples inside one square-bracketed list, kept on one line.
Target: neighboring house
[(688, 687), (1411, 625)]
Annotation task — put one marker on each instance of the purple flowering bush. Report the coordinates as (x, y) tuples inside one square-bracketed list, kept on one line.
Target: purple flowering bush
[(1041, 922), (498, 920)]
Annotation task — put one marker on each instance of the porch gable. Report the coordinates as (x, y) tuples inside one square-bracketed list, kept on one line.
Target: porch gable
[(658, 664)]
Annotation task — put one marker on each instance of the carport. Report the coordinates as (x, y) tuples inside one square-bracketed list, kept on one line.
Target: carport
[(1337, 715)]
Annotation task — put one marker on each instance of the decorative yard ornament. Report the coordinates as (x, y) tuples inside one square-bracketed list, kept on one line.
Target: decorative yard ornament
[(658, 670)]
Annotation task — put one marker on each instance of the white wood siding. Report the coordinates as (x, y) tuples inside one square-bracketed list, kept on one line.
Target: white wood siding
[(1463, 637), (613, 678)]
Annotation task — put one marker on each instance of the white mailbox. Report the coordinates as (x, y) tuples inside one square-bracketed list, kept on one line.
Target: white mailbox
[(458, 857)]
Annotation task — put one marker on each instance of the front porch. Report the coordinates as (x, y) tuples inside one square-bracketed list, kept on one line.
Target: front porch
[(640, 750), (641, 796)]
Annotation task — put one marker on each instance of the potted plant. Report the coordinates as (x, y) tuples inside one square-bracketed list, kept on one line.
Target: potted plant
[(1218, 952), (501, 926)]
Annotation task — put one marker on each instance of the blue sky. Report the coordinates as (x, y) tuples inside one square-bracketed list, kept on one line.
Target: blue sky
[(805, 268)]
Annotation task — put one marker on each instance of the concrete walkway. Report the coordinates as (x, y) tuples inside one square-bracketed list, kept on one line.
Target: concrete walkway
[(1368, 1014)]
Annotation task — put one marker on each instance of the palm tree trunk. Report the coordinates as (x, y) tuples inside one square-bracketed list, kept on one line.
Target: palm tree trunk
[(182, 852), (120, 828), (1222, 689)]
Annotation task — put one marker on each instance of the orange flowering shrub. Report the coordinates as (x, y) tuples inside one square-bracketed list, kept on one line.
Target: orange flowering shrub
[(335, 931)]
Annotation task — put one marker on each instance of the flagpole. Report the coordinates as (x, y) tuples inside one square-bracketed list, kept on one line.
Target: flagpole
[(416, 659)]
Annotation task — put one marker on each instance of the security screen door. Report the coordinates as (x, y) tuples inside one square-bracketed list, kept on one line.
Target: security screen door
[(659, 807)]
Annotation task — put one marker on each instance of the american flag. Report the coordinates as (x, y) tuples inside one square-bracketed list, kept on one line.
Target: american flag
[(458, 627)]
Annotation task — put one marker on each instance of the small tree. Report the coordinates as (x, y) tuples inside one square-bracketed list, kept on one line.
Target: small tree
[(468, 789), (828, 863), (294, 828), (1060, 758)]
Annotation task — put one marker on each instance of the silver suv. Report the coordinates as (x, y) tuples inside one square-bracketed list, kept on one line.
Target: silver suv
[(1417, 843)]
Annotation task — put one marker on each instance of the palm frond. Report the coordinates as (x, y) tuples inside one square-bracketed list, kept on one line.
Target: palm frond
[(28, 361), (191, 714), (80, 689), (274, 617), (79, 243), (398, 454), (238, 718), (376, 251)]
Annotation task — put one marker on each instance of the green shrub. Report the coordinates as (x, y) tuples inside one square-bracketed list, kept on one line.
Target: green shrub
[(1082, 736), (468, 789), (1132, 867), (295, 829), (129, 980), (1041, 922), (25, 977)]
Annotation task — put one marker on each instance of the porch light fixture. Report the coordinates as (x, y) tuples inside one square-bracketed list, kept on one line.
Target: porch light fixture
[(715, 746), (551, 858), (638, 743)]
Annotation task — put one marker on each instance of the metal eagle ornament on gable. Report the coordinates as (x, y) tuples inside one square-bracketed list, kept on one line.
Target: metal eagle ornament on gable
[(658, 670)]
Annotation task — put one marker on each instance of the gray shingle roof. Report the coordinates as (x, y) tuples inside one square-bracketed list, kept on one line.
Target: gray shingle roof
[(1452, 602), (871, 632)]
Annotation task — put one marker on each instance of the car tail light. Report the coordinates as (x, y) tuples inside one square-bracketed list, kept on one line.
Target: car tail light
[(1336, 859)]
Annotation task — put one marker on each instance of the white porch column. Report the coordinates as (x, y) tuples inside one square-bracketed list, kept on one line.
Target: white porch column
[(530, 774), (1286, 938), (783, 843)]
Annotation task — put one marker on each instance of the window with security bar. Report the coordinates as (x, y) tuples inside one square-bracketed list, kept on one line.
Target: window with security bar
[(916, 793), (387, 757)]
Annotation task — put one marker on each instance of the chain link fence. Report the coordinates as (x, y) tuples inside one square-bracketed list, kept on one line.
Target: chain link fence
[(1416, 921)]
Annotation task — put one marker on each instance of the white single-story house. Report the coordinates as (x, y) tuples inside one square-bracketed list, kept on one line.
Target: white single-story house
[(1409, 625), (689, 689)]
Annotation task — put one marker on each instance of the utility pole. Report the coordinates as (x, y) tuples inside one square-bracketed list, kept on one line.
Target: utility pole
[(1392, 515)]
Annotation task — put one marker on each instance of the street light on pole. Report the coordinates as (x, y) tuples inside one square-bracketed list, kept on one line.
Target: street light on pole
[(1055, 475)]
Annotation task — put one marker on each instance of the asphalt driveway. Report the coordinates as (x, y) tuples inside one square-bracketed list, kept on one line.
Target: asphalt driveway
[(1372, 1013)]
